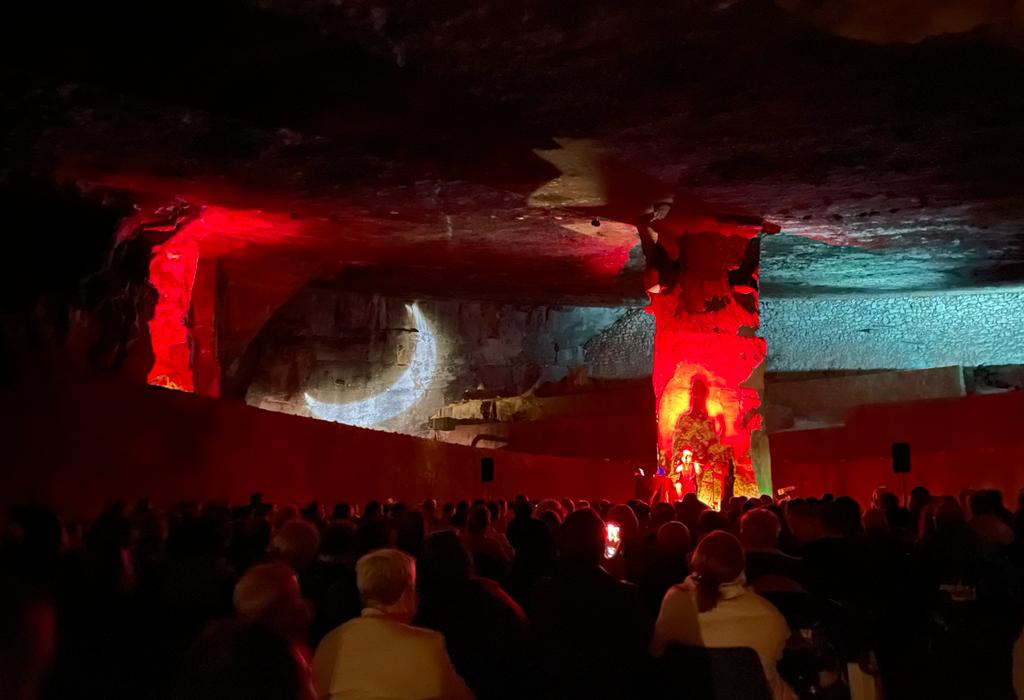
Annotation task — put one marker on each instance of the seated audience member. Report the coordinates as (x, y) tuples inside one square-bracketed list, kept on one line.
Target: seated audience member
[(803, 524), (491, 558), (835, 564), (243, 661), (972, 601), (667, 565), (380, 655), (629, 562), (270, 595), (712, 608), (590, 625), (28, 630), (485, 631), (330, 581), (296, 543), (767, 567), (534, 553), (712, 521), (990, 519), (410, 529), (661, 513)]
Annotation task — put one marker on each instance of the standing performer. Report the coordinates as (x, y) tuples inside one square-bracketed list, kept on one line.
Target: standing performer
[(697, 447)]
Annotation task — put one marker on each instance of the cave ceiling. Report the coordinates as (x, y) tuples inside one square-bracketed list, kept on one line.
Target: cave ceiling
[(505, 148)]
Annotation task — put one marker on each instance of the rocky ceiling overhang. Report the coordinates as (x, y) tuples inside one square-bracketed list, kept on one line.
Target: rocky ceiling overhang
[(507, 148)]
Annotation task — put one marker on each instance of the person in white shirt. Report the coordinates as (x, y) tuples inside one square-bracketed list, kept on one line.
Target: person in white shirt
[(713, 608), (380, 656)]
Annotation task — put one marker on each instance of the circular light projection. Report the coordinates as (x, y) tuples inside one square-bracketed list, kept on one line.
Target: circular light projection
[(407, 390)]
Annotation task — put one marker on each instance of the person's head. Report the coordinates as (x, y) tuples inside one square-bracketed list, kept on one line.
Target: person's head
[(242, 661), (710, 521), (461, 515), (919, 498), (338, 541), (841, 517), (986, 502), (948, 514), (889, 502), (372, 510), (429, 507), (549, 504), (802, 519), (642, 511), (386, 580), (719, 559), (759, 529), (270, 595), (296, 542), (444, 559), (341, 511), (625, 518), (673, 539), (567, 505), (478, 520), (581, 538), (662, 513), (410, 531)]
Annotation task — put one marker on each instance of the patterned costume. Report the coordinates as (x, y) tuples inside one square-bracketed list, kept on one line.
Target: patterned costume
[(698, 435)]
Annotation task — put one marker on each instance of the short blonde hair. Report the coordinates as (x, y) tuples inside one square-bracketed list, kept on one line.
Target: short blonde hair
[(384, 576)]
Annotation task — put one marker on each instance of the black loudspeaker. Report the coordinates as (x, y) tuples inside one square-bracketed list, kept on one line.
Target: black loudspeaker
[(486, 470), (901, 457)]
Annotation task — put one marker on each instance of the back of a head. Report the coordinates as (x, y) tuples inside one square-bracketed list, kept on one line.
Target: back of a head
[(242, 661), (444, 559), (338, 540), (662, 513), (711, 521), (296, 542), (718, 559), (263, 587), (269, 594), (341, 511), (673, 539), (478, 520), (759, 529), (386, 580), (888, 501), (625, 518), (948, 514), (841, 517), (410, 531), (582, 537)]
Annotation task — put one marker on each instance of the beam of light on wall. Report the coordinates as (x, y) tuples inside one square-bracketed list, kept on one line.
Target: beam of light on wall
[(407, 390)]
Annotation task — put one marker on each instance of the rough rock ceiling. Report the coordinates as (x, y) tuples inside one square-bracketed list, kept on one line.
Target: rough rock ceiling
[(472, 145)]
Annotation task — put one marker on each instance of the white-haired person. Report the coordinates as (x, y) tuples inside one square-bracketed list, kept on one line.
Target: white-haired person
[(379, 654)]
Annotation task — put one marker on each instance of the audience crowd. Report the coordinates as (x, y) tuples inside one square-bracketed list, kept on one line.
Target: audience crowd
[(807, 597)]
